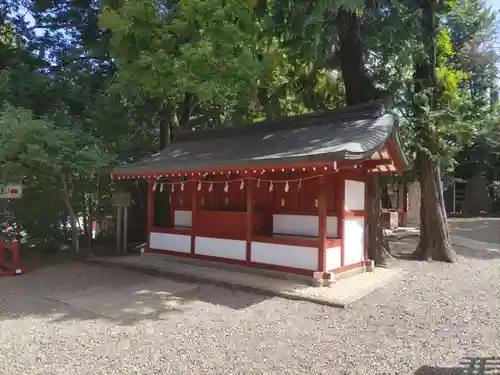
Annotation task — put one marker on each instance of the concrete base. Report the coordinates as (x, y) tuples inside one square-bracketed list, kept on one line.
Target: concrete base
[(341, 293), (370, 266), (231, 267), (347, 274), (322, 279), (402, 232)]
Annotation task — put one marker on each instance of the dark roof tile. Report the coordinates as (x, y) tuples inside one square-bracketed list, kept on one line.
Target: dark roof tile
[(352, 133)]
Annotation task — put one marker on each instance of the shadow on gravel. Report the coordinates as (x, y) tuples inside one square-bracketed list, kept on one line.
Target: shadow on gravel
[(402, 248), (428, 370), (484, 230), (85, 292), (467, 366), (469, 252)]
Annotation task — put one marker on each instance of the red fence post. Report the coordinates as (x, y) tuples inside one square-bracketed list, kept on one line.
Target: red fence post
[(14, 247), (2, 252)]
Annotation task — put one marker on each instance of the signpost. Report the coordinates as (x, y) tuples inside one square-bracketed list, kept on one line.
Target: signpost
[(11, 191), (121, 200)]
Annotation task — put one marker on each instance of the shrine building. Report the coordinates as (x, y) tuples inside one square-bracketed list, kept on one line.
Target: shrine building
[(286, 195)]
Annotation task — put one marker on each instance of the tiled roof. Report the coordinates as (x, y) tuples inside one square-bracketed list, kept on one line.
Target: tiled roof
[(352, 133)]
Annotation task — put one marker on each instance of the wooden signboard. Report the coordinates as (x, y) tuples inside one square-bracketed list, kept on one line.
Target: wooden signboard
[(121, 199)]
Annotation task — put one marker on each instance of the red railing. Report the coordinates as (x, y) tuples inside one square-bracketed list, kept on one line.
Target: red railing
[(12, 267)]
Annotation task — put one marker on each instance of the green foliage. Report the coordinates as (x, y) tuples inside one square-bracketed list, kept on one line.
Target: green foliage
[(204, 48), (445, 118), (61, 74), (7, 36), (444, 47), (473, 33), (262, 60), (43, 157)]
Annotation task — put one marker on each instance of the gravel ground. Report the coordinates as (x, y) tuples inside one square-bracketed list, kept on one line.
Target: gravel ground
[(425, 323), (478, 228)]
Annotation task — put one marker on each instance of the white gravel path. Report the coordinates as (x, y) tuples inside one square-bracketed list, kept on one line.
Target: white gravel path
[(435, 316)]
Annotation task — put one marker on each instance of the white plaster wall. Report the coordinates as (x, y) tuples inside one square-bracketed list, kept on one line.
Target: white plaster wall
[(354, 195), (217, 247), (285, 255), (303, 225), (331, 226), (354, 239), (333, 258), (183, 218), (172, 242)]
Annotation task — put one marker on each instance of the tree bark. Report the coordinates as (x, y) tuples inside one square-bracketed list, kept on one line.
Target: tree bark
[(380, 253), (74, 221), (186, 110), (360, 89), (269, 103), (165, 134), (171, 124), (89, 221), (435, 239)]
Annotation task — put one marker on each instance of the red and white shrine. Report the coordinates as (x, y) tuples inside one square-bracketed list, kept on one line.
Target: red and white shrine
[(285, 195)]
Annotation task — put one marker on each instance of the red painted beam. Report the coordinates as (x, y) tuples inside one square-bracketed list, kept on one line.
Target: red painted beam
[(340, 215), (351, 213), (322, 225), (194, 215), (322, 167), (151, 207), (249, 220), (394, 155), (370, 164)]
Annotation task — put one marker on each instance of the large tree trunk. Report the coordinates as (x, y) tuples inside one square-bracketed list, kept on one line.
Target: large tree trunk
[(66, 196), (168, 127), (360, 89), (89, 220), (379, 253), (165, 134), (358, 86), (435, 239), (270, 103)]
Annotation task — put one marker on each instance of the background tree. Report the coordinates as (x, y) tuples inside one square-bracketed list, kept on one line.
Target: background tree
[(52, 73), (185, 55)]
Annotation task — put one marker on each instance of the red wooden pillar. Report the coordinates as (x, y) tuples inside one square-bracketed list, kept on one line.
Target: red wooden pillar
[(151, 208), (340, 205), (249, 217), (365, 228), (194, 212), (2, 252), (171, 197), (322, 214), (14, 248)]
